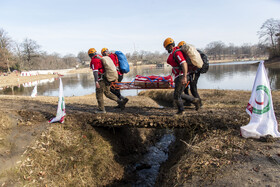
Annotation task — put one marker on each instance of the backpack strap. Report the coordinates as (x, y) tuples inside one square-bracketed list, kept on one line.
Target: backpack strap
[(176, 60), (101, 74), (174, 55), (118, 62), (117, 58), (97, 56), (188, 60)]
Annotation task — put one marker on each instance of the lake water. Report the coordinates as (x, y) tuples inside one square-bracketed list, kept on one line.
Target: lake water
[(229, 76)]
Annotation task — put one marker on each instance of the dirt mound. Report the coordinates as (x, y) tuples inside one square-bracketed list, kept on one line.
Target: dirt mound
[(221, 158)]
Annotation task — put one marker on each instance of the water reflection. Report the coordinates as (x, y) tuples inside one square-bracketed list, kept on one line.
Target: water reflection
[(153, 158), (236, 76), (274, 77), (229, 76)]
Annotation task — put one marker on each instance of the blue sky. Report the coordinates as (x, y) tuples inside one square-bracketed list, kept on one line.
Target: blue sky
[(68, 27)]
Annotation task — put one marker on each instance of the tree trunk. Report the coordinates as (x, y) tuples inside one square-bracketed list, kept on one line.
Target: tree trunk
[(8, 66)]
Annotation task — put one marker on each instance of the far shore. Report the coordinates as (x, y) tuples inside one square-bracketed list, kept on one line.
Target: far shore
[(15, 78), (236, 60)]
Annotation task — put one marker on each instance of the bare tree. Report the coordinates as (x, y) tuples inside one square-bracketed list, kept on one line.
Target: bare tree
[(215, 49), (70, 60), (30, 49), (128, 55), (5, 54), (18, 55), (268, 32), (246, 50), (83, 57), (278, 40)]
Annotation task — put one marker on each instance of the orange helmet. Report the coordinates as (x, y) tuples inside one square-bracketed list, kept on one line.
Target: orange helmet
[(91, 51), (103, 50), (181, 43), (167, 42)]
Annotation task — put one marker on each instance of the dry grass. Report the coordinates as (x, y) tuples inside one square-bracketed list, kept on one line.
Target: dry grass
[(5, 129), (166, 95), (68, 156), (202, 155), (216, 150)]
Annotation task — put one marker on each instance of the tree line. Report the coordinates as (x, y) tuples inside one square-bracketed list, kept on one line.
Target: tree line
[(27, 55), (268, 46), (216, 50)]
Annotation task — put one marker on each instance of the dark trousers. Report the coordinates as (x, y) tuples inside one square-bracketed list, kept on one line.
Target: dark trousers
[(193, 78), (179, 95), (117, 92)]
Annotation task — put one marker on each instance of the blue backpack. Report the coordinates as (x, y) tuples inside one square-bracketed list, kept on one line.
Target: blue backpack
[(124, 66)]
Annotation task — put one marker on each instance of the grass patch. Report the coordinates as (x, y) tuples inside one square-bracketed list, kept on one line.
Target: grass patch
[(67, 156)]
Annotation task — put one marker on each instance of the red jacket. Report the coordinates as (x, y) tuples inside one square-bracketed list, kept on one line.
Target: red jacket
[(176, 64), (96, 65), (115, 59)]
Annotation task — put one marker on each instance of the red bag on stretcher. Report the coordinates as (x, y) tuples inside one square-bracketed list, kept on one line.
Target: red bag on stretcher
[(154, 81)]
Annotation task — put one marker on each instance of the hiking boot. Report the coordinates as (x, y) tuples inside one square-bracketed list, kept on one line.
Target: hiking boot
[(180, 112), (100, 112), (196, 103), (122, 103), (118, 106), (121, 98), (200, 102), (187, 103)]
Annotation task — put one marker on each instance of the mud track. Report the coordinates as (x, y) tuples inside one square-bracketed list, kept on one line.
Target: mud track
[(149, 117)]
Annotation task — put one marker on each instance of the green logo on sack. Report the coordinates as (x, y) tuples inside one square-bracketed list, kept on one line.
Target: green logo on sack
[(267, 107)]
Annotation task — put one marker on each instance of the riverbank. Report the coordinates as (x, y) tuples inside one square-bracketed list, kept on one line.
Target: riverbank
[(14, 79), (235, 60), (273, 63), (208, 149)]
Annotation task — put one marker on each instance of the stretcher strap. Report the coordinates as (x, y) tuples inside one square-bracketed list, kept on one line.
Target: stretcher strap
[(163, 79), (131, 85)]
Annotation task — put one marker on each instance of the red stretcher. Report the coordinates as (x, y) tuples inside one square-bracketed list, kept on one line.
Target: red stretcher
[(146, 82)]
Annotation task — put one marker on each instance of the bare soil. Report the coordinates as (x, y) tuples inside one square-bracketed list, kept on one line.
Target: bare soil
[(98, 149)]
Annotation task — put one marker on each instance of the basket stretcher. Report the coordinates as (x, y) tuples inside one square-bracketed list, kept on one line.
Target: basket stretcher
[(146, 82)]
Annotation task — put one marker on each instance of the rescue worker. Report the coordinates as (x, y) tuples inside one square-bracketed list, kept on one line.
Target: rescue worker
[(101, 83), (114, 57), (180, 70), (194, 74)]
